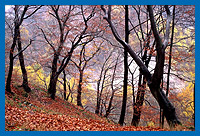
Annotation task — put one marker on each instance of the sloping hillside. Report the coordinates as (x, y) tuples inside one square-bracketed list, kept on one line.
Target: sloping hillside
[(37, 112)]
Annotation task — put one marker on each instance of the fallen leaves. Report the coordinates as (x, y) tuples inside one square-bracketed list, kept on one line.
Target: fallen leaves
[(38, 112), (48, 122)]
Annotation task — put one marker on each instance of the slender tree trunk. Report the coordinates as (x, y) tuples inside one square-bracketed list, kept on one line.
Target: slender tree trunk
[(138, 106), (98, 98), (99, 92), (21, 60), (8, 81), (110, 104), (17, 38), (80, 89), (98, 85), (123, 110), (170, 57), (64, 85), (141, 88), (113, 90), (16, 29)]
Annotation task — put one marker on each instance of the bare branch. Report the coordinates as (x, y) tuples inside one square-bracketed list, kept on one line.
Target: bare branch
[(127, 47), (32, 12), (23, 49), (47, 40)]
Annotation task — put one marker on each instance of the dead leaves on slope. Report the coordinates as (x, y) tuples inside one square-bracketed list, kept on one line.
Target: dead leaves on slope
[(37, 112), (18, 119)]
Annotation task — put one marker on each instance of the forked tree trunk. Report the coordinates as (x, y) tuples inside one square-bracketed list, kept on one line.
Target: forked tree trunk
[(17, 22), (170, 57)]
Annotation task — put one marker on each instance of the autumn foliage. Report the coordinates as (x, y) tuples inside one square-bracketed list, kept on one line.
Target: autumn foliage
[(37, 112)]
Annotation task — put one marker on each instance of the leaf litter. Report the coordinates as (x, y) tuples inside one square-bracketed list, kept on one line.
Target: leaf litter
[(37, 112)]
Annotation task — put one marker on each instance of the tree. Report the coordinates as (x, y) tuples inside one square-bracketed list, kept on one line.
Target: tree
[(84, 57), (19, 18), (155, 79), (108, 110), (147, 51), (63, 19), (123, 110), (100, 86), (170, 57)]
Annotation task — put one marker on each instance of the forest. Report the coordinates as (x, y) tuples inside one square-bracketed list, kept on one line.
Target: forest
[(99, 67)]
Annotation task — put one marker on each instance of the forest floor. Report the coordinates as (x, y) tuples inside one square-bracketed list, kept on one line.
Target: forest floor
[(35, 111)]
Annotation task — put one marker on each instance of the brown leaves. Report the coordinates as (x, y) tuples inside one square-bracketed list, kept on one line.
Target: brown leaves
[(47, 122), (38, 112)]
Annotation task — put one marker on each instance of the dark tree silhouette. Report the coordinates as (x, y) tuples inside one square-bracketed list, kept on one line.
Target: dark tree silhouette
[(154, 80)]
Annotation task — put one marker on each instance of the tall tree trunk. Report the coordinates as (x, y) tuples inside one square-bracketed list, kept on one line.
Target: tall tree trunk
[(8, 81), (64, 86), (110, 104), (17, 23), (113, 90), (21, 60), (17, 38), (80, 89), (54, 76), (170, 57), (141, 87), (123, 110), (99, 92), (98, 97), (138, 106), (52, 87)]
